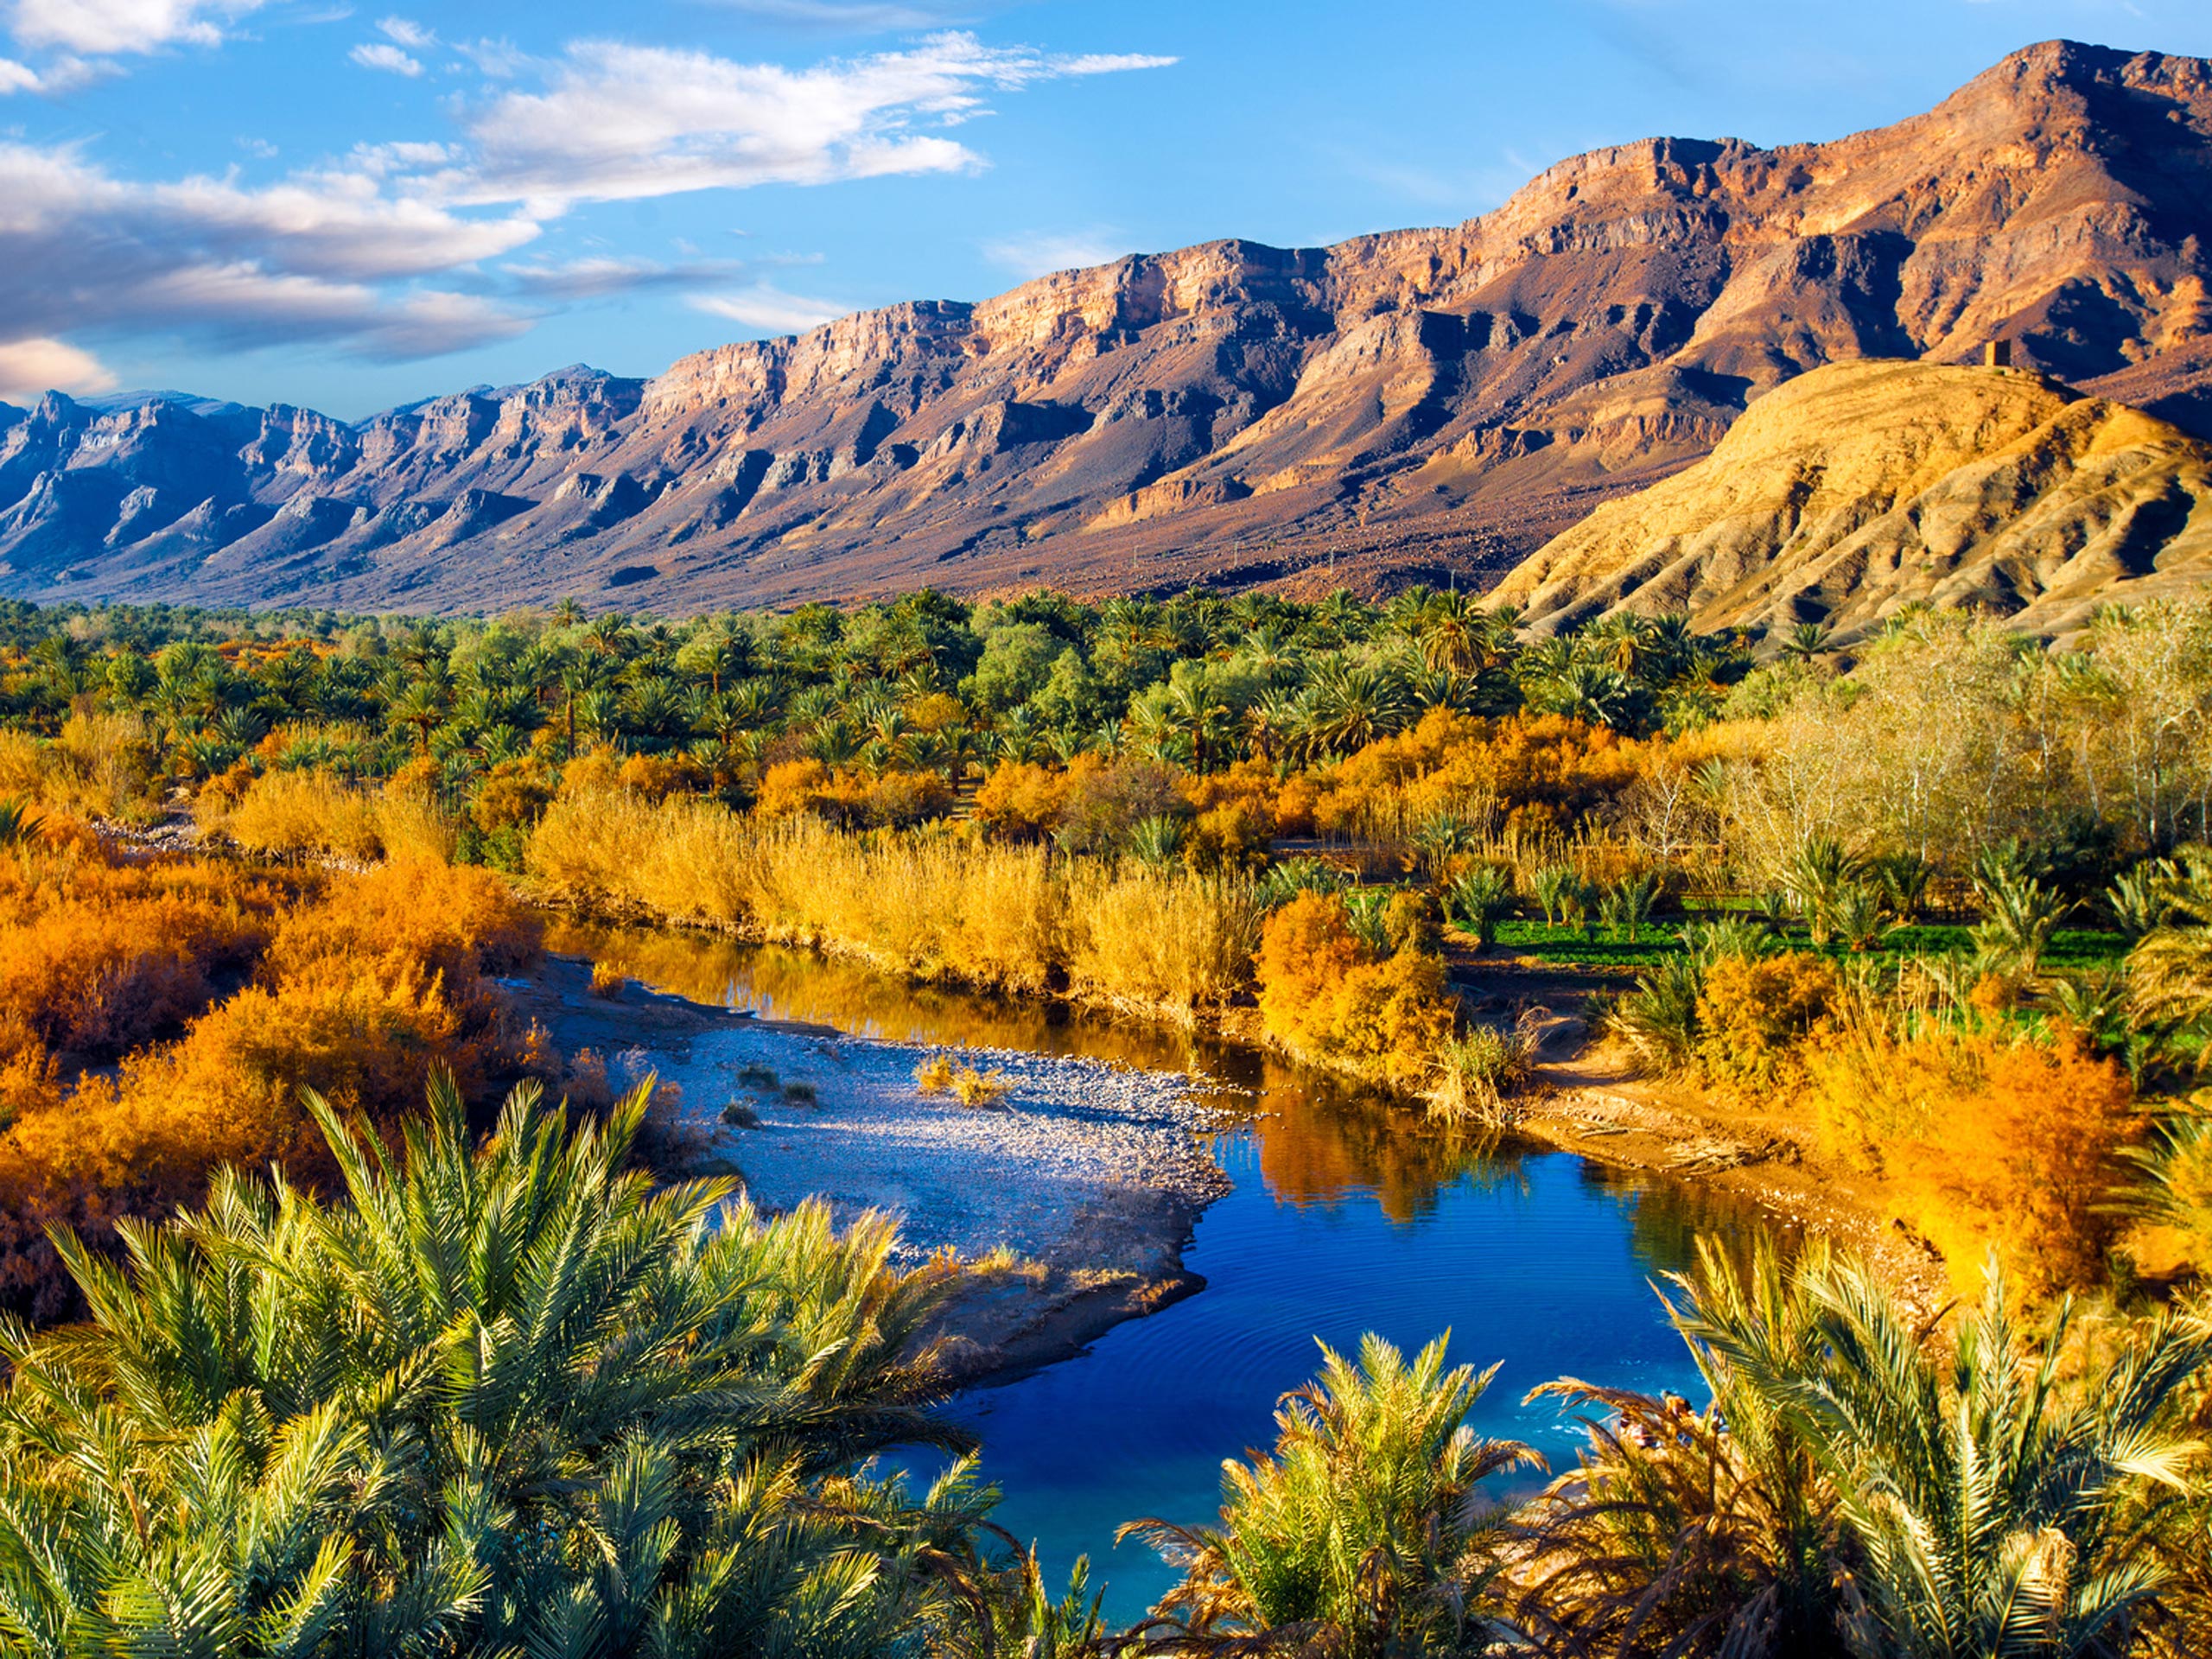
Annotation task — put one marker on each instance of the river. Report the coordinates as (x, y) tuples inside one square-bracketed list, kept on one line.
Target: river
[(1346, 1217)]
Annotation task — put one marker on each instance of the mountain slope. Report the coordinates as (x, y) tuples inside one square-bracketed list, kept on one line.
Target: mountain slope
[(1863, 486), (1394, 407)]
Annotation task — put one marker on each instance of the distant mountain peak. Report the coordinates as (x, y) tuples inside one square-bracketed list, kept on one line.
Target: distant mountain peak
[(1417, 404)]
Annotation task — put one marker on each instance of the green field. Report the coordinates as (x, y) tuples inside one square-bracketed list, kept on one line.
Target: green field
[(1599, 947)]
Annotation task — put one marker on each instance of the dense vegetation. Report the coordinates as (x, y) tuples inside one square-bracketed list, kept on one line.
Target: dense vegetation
[(1940, 908), (510, 1398), (1934, 905)]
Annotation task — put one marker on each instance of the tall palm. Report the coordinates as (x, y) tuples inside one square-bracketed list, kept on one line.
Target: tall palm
[(1363, 1533)]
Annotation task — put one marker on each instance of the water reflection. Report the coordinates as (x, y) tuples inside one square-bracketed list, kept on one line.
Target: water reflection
[(1319, 1141), (1346, 1216)]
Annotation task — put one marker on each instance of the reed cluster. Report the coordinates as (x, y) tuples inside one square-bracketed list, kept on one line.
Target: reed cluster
[(932, 905)]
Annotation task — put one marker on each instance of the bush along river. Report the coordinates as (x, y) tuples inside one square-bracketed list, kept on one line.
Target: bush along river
[(1344, 1215)]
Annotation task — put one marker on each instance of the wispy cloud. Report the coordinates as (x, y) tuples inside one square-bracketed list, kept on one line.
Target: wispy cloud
[(407, 249), (602, 276), (852, 16), (770, 310), (383, 54), (115, 27), (402, 31), (1046, 252), (322, 257), (617, 122)]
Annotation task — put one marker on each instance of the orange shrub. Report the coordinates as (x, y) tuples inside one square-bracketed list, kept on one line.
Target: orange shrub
[(368, 983), (658, 776), (2026, 1162), (1540, 775), (791, 787), (512, 794), (1327, 999), (450, 919), (1294, 802), (1022, 799), (97, 956), (1756, 1012)]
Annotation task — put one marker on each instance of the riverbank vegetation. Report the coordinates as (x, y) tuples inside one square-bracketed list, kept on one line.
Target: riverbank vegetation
[(1941, 905), (507, 1395), (1882, 897)]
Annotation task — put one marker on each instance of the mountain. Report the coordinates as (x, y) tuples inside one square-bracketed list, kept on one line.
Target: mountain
[(1863, 486), (1399, 407)]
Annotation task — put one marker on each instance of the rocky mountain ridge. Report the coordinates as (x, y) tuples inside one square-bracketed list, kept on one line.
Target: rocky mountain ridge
[(1401, 406), (1863, 487)]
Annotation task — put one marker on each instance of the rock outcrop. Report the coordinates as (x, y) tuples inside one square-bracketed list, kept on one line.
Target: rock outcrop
[(1863, 487), (1390, 409)]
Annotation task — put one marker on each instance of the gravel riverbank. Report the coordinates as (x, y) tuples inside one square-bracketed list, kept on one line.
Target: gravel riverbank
[(1089, 1175)]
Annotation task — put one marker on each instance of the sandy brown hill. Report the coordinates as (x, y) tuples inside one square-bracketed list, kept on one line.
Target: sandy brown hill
[(1395, 407), (1864, 486)]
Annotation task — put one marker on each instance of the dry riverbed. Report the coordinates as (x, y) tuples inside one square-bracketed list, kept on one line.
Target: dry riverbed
[(1088, 1176)]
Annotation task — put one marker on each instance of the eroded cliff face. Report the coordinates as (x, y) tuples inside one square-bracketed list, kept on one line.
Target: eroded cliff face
[(1390, 409)]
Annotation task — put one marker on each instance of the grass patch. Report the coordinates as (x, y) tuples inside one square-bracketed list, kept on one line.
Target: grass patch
[(2074, 949)]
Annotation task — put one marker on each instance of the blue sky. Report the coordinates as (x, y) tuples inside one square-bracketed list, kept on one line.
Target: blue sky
[(353, 206)]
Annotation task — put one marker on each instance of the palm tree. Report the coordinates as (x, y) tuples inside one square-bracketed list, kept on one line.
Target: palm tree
[(1991, 1508), (1694, 1532), (1451, 636), (1807, 640), (2170, 970), (504, 1398), (418, 708), (2019, 916), (1363, 1533)]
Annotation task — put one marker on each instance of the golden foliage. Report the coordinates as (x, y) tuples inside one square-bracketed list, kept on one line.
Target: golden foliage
[(361, 985), (2025, 1163), (930, 905), (1755, 1012), (1324, 996), (291, 814)]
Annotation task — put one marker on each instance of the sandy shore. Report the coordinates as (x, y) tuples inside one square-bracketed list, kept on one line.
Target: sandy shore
[(1090, 1176)]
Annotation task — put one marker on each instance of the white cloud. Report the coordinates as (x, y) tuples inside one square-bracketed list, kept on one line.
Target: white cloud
[(118, 26), (770, 310), (602, 275), (404, 32), (382, 54), (859, 17), (621, 121), (1042, 254), (392, 251), (326, 256), (28, 368)]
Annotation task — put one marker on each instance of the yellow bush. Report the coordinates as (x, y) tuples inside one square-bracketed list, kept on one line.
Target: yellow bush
[(932, 905), (1324, 996), (291, 814), (1756, 1012), (791, 787), (413, 826), (513, 793), (2026, 1162), (1022, 799)]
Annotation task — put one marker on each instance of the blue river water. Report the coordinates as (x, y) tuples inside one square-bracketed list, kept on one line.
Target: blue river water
[(1346, 1217)]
